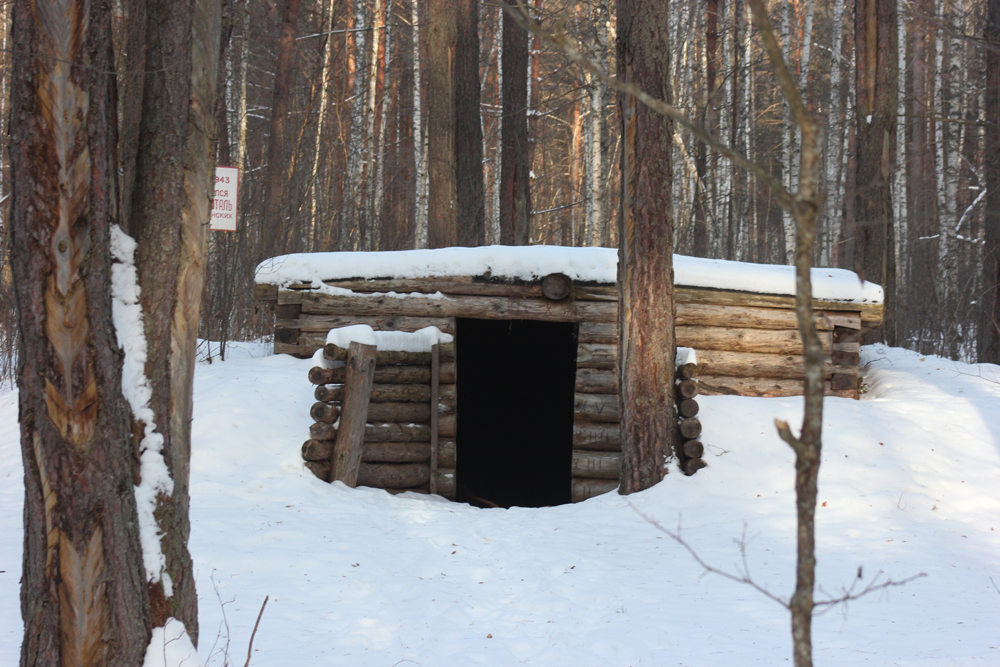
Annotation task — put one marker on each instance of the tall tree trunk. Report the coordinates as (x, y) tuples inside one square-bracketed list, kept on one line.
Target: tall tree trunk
[(370, 232), (645, 256), (419, 143), (470, 193), (705, 113), (170, 214), (989, 346), (515, 184), (442, 208), (83, 596), (275, 186), (324, 82), (876, 62)]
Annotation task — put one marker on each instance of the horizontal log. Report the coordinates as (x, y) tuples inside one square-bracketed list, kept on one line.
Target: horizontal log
[(850, 359), (286, 336), (389, 393), (480, 307), (844, 335), (387, 375), (599, 437), (333, 352), (599, 465), (844, 382), (288, 296), (757, 365), (690, 427), (446, 425), (446, 454), (598, 332), (286, 315), (400, 413), (597, 355), (596, 381), (688, 388), (691, 466), (845, 320), (265, 293), (582, 488), (306, 322), (597, 407), (446, 482), (380, 452), (378, 432), (870, 313), (381, 393), (324, 412), (687, 407), (765, 387), (772, 341), (721, 315), (307, 345), (393, 475)]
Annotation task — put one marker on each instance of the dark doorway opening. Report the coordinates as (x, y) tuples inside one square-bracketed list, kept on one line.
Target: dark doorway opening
[(515, 411)]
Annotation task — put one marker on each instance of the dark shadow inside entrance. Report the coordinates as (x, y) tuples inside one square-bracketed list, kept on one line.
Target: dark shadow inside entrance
[(515, 411)]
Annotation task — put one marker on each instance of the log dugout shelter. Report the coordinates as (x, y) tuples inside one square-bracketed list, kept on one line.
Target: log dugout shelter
[(529, 407)]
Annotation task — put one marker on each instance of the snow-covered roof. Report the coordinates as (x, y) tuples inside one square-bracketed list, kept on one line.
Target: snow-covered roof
[(597, 265)]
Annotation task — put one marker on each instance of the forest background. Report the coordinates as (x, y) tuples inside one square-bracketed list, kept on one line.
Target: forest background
[(326, 107)]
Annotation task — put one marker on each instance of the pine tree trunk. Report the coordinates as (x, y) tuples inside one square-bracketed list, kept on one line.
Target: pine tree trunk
[(515, 192), (419, 143), (442, 209), (84, 599), (470, 188), (273, 223), (989, 346), (876, 67), (645, 265)]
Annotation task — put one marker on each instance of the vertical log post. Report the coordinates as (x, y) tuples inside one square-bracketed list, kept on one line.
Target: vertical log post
[(345, 460), (435, 396)]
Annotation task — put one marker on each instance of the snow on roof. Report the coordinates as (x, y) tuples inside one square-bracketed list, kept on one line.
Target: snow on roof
[(535, 262)]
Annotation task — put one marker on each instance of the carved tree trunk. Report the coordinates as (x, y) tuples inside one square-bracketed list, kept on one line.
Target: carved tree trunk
[(645, 264), (83, 597), (170, 213)]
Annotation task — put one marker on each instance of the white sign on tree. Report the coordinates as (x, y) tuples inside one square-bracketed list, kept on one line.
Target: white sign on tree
[(225, 199)]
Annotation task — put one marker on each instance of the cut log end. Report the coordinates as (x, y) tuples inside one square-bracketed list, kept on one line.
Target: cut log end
[(690, 427), (692, 466), (687, 388), (556, 286)]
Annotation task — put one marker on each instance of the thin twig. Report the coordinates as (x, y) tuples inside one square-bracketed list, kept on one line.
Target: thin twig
[(254, 633), (745, 578)]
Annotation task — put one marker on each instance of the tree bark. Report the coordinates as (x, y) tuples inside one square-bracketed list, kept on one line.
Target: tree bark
[(515, 185), (83, 598), (470, 193), (170, 213), (876, 61), (273, 229), (645, 264), (442, 205), (989, 346)]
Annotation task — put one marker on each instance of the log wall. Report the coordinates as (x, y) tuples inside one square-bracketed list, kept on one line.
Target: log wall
[(747, 344)]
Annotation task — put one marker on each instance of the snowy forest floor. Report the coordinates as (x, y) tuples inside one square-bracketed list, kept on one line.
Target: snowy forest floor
[(910, 483)]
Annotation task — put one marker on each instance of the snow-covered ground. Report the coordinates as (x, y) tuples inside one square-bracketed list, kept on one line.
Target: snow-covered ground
[(910, 483)]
